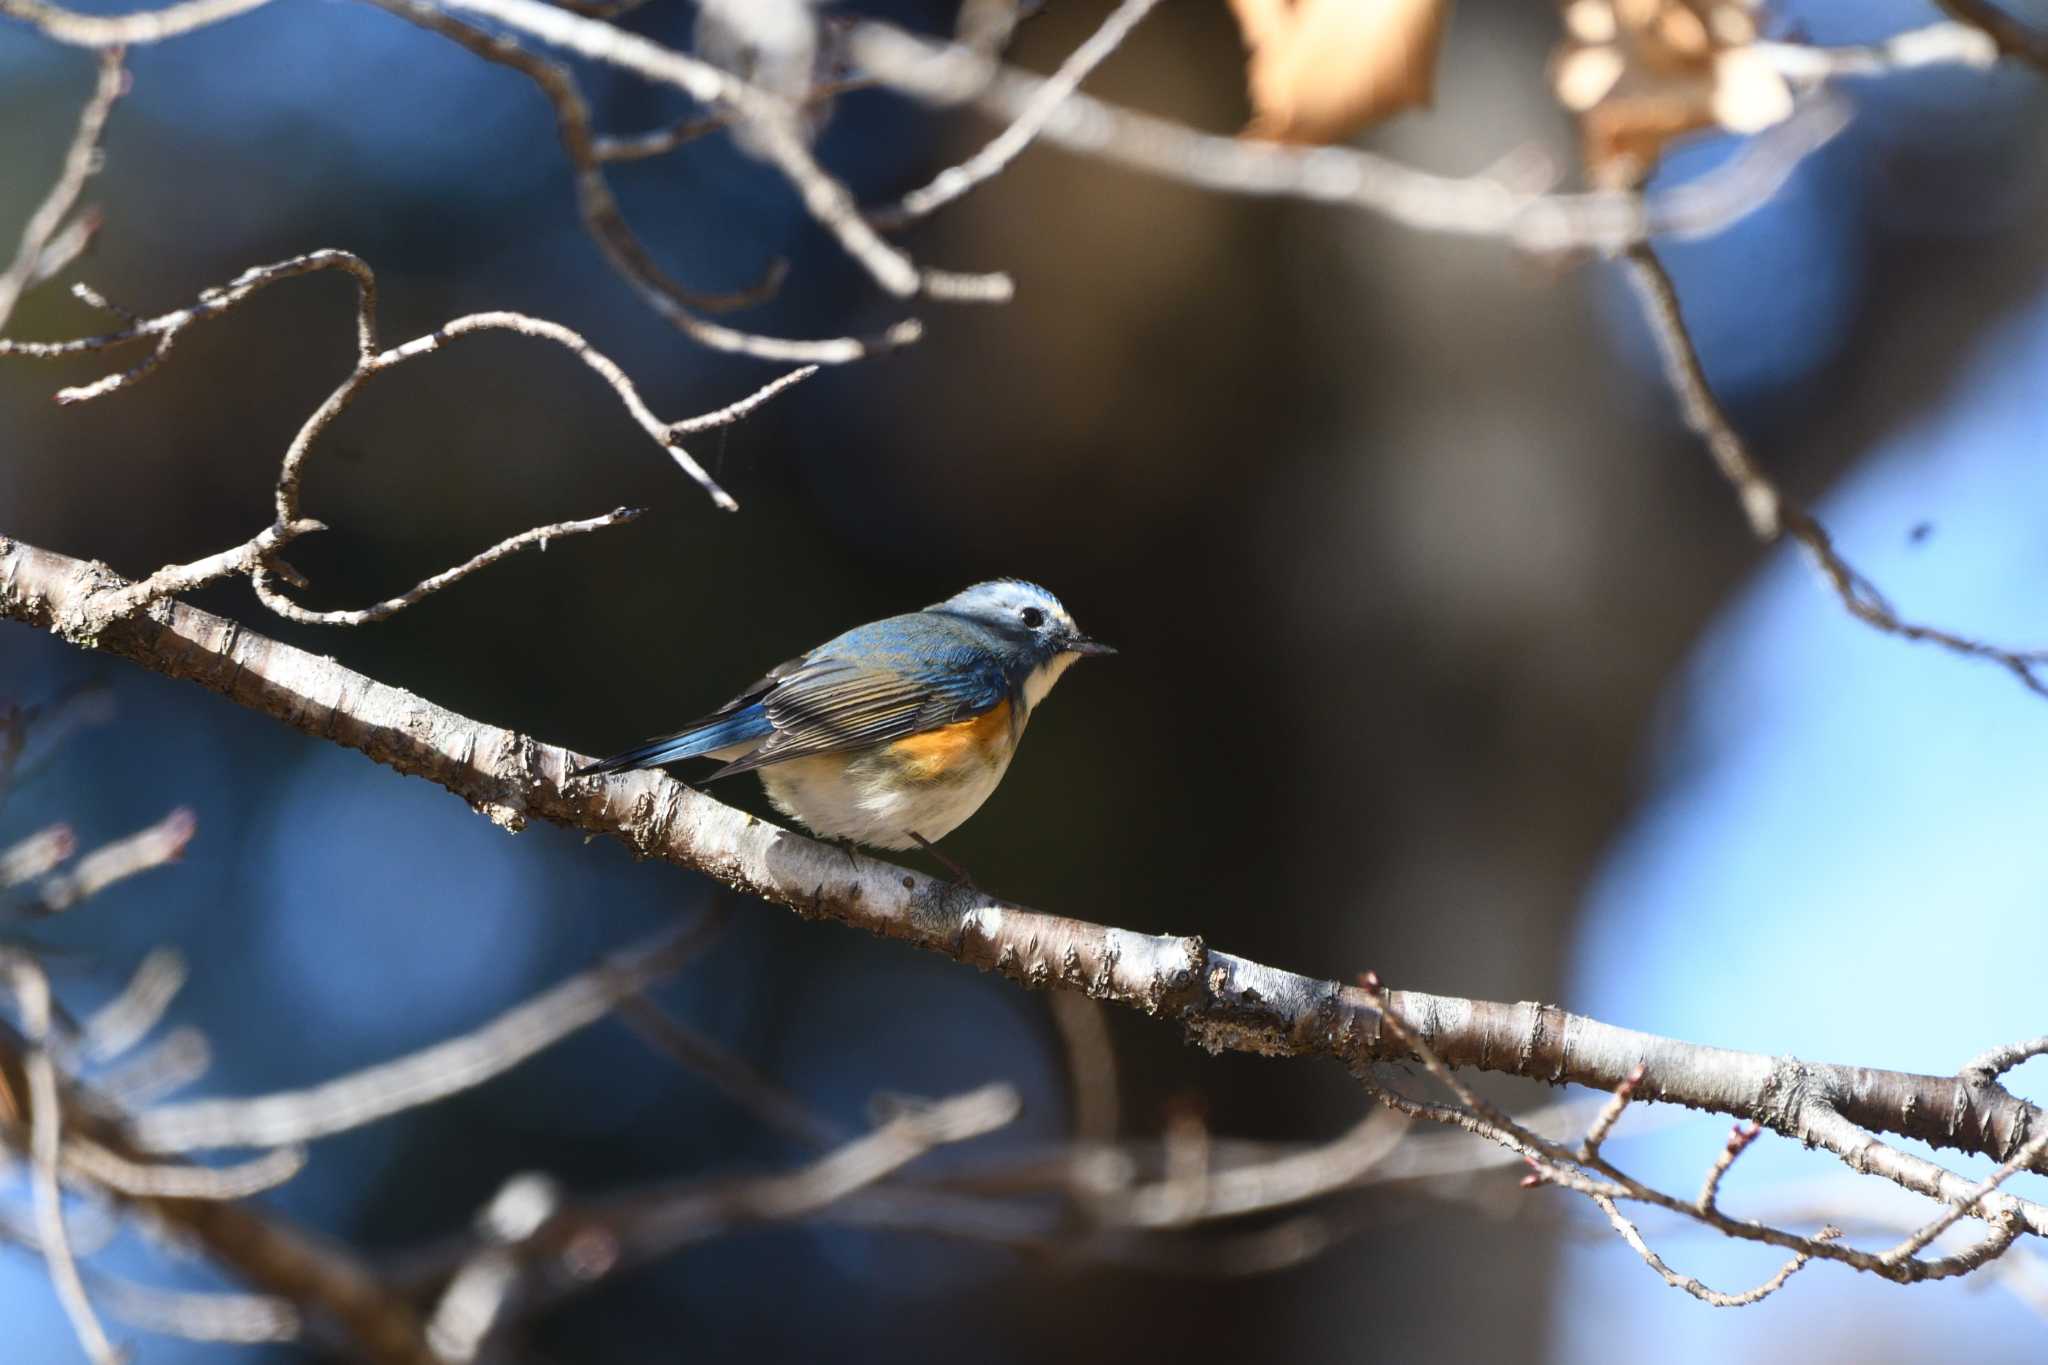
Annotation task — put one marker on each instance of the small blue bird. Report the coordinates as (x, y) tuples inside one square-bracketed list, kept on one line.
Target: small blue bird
[(892, 734)]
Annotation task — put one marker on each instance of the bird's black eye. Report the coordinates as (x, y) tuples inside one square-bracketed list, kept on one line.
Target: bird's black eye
[(1033, 617)]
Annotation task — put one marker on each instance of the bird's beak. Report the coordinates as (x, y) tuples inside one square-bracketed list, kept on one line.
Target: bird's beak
[(1081, 644)]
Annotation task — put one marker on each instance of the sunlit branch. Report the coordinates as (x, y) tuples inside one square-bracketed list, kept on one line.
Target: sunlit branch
[(420, 1078), (1770, 512), (32, 259), (259, 557), (1224, 1001)]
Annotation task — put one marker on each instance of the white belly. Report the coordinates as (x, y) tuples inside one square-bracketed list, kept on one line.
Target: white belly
[(863, 797)]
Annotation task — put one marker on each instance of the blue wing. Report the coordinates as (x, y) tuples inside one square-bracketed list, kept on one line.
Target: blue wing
[(873, 684)]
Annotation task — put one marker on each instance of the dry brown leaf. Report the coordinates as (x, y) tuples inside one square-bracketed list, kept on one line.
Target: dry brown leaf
[(1320, 70), (1640, 73)]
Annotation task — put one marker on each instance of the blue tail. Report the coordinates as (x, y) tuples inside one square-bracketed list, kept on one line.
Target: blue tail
[(751, 723)]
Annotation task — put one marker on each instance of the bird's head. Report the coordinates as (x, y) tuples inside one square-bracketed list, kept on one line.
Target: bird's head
[(1030, 621)]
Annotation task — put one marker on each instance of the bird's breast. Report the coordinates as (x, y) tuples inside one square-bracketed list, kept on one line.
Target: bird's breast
[(960, 752), (927, 783)]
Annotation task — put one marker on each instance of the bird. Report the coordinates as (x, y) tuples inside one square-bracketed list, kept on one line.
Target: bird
[(892, 734)]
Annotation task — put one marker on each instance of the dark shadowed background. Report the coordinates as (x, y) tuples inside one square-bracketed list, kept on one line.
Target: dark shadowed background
[(1445, 653)]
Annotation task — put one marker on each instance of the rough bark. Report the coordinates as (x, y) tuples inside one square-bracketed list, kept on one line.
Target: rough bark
[(1223, 1001)]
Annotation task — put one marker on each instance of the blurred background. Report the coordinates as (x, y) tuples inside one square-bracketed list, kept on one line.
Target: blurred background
[(1445, 653)]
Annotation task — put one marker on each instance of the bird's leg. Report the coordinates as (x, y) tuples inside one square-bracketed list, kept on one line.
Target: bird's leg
[(961, 876), (846, 846)]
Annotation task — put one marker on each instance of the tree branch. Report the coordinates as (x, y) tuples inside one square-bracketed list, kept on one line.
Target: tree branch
[(1770, 512), (1223, 1001), (46, 224)]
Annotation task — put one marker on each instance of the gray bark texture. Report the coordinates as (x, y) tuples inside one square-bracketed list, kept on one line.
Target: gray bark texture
[(1224, 1002)]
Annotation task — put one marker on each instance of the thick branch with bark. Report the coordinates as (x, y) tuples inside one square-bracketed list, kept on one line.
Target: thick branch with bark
[(1224, 1001), (532, 1244)]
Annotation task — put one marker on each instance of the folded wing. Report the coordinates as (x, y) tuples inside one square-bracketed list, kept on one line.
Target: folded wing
[(825, 704)]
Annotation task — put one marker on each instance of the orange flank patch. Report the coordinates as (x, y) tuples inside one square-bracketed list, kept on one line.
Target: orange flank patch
[(953, 750)]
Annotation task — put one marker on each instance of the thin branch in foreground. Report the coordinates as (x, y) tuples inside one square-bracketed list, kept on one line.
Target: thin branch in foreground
[(773, 1105), (144, 1180), (481, 1287), (1222, 1000), (1610, 1114), (733, 412), (1260, 1187), (117, 1026), (1954, 44), (1091, 1066), (1739, 1139), (80, 161), (773, 129), (1602, 1182), (163, 1068), (125, 30), (662, 141), (261, 576), (36, 855), (2021, 1160), (238, 1319), (1712, 1297), (585, 1242), (1478, 206), (995, 158), (1771, 514), (151, 847), (432, 1073), (259, 557), (46, 1153), (605, 222)]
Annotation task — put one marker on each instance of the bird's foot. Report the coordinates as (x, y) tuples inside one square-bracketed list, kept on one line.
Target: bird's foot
[(961, 877)]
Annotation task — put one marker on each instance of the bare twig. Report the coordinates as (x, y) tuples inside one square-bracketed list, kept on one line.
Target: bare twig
[(36, 855), (117, 1026), (46, 1154), (585, 1242), (1260, 1187), (160, 843), (80, 161), (258, 557), (150, 1180), (1550, 1164), (1610, 1114), (1739, 1139), (1952, 44), (30, 738), (479, 1290), (1478, 206), (422, 1077), (1988, 1066), (772, 125), (733, 412), (993, 159), (1963, 1208), (1091, 1066), (661, 141), (243, 1319), (1714, 1297), (605, 221), (163, 1068), (264, 1248), (773, 1105), (117, 30), (260, 576), (1226, 1002), (1770, 512)]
